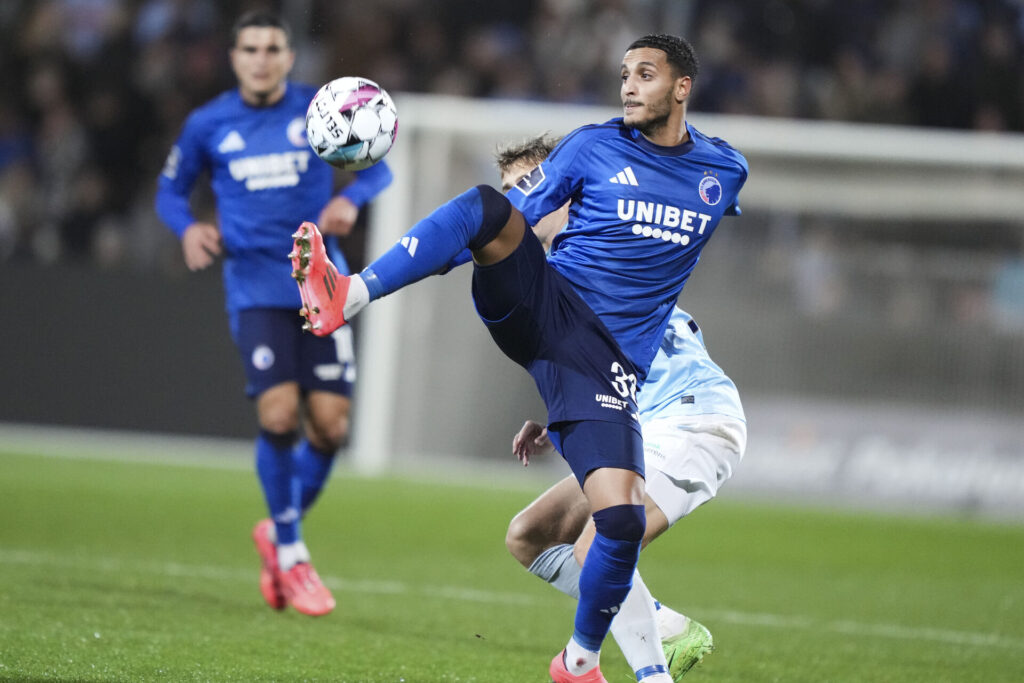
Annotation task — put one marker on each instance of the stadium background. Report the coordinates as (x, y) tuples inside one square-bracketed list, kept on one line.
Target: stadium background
[(870, 324), (869, 304)]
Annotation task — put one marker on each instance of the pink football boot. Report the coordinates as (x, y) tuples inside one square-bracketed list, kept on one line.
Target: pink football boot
[(270, 586), (304, 590), (560, 674), (322, 288)]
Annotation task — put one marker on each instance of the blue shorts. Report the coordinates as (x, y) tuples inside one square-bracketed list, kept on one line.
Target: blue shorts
[(590, 444), (274, 349), (538, 320)]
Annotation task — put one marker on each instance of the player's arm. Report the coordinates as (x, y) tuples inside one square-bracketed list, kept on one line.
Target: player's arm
[(733, 209), (340, 214), (550, 225), (200, 241), (551, 184)]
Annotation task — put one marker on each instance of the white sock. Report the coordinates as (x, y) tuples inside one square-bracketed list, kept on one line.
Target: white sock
[(670, 622), (635, 629), (290, 554), (631, 627), (357, 298), (557, 566), (578, 659)]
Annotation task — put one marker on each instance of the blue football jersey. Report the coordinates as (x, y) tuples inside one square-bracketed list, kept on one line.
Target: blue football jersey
[(266, 180), (640, 216), (683, 380)]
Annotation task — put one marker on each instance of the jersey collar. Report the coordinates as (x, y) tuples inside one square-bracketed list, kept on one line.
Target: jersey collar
[(673, 151)]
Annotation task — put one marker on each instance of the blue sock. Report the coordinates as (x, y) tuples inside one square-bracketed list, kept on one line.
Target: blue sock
[(274, 467), (471, 220), (607, 573), (312, 467)]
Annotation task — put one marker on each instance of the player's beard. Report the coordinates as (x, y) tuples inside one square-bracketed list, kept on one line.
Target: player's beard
[(658, 117), (266, 96)]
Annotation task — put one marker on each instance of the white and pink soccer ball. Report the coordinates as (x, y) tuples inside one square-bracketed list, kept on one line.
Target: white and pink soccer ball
[(351, 123)]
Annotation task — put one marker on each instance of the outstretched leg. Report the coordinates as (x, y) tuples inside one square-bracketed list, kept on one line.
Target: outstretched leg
[(481, 220)]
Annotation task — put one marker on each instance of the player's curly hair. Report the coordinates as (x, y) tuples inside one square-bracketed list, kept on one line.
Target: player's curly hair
[(533, 150), (680, 53), (260, 19)]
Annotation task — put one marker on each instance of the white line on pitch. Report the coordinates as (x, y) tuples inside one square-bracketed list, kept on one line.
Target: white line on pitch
[(176, 450), (947, 636)]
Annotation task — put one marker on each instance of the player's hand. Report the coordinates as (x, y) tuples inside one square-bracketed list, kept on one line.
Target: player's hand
[(338, 217), (201, 245), (532, 439)]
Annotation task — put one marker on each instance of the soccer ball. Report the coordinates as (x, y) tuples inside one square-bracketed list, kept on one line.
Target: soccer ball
[(351, 123)]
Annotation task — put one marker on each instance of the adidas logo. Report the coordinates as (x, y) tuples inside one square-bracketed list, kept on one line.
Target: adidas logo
[(625, 177), (330, 283), (410, 244), (232, 142), (287, 516)]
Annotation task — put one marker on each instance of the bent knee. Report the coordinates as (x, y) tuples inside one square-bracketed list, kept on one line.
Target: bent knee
[(328, 435), (327, 420), (278, 408), (279, 421), (495, 209), (328, 441), (621, 522), (520, 539)]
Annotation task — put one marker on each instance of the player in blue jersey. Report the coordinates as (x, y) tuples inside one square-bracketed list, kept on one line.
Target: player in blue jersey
[(251, 141), (647, 192), (694, 436)]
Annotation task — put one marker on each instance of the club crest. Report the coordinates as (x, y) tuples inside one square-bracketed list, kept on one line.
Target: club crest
[(710, 190), (296, 132)]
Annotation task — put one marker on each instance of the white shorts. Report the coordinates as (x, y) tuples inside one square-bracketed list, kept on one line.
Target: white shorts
[(688, 457)]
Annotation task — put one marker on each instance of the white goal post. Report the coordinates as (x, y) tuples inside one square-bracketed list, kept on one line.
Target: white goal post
[(432, 383)]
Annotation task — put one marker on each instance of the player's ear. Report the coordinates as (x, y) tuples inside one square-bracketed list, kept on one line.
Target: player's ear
[(233, 58), (682, 88)]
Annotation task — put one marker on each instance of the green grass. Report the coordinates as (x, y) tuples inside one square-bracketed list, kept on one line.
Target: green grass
[(135, 572)]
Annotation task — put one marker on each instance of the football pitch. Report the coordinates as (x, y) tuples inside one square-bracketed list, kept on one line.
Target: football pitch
[(144, 571)]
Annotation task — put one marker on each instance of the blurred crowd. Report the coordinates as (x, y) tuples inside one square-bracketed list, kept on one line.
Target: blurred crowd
[(96, 90)]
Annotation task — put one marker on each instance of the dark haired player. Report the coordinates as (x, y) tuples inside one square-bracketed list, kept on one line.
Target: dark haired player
[(694, 433), (647, 191), (251, 140)]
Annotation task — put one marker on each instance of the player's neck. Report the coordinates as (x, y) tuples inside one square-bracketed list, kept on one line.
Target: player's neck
[(669, 132), (259, 99), (668, 135)]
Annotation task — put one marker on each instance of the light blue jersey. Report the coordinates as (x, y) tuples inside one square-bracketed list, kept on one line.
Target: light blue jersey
[(683, 380), (639, 218), (266, 180)]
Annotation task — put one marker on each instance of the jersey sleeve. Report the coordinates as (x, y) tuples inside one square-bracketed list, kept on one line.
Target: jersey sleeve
[(185, 162), (368, 183), (548, 186), (464, 256), (734, 207)]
